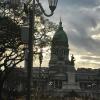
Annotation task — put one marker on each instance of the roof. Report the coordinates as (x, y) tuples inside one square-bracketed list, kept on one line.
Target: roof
[(60, 37)]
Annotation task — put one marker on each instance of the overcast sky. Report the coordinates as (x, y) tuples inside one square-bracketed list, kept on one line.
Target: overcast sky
[(81, 21)]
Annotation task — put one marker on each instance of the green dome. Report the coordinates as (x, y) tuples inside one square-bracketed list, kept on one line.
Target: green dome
[(60, 37)]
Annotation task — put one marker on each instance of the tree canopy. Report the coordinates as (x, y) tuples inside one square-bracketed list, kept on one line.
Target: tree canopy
[(11, 21), (11, 44)]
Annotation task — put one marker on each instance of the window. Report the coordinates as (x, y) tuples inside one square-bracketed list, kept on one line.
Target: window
[(58, 84)]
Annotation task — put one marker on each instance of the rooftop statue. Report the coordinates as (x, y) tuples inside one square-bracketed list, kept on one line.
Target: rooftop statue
[(72, 60)]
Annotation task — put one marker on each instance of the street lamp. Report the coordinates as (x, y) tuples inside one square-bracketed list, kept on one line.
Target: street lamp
[(52, 4), (31, 13)]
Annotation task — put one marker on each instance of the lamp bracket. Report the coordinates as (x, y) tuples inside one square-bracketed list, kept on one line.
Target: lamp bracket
[(42, 9)]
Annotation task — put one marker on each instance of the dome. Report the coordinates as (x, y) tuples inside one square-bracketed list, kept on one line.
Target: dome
[(60, 37)]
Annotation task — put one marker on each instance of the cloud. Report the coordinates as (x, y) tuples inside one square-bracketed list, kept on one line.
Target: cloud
[(81, 21), (92, 58), (85, 3)]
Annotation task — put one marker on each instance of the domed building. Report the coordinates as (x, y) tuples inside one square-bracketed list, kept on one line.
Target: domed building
[(60, 50), (61, 69)]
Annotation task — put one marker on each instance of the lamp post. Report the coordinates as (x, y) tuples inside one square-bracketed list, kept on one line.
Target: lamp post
[(31, 12)]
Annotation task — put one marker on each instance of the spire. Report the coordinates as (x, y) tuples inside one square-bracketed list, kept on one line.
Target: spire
[(60, 24)]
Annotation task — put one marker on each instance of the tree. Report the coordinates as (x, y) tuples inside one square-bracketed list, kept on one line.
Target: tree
[(11, 45), (10, 48)]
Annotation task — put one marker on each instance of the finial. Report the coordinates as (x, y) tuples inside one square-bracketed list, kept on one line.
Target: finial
[(60, 23)]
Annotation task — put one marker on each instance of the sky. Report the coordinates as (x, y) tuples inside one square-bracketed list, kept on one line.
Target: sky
[(81, 22)]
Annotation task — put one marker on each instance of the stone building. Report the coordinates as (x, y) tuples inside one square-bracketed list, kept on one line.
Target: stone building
[(61, 69)]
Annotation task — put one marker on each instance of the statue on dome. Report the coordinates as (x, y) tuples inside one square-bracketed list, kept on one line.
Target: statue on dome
[(72, 60)]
